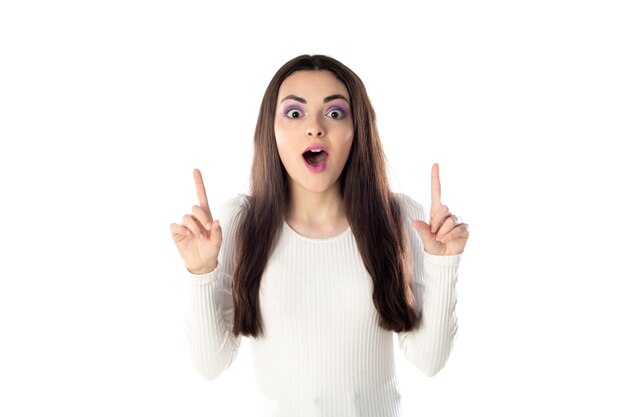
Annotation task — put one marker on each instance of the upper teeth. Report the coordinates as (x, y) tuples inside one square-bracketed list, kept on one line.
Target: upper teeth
[(316, 150)]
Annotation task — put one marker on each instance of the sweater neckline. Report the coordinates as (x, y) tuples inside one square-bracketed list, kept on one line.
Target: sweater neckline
[(317, 239)]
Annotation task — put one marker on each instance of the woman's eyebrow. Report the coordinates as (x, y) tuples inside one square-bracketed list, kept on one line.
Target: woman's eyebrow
[(326, 100), (334, 96), (292, 97)]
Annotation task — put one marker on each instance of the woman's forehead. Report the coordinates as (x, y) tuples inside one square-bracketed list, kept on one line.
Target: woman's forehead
[(312, 84)]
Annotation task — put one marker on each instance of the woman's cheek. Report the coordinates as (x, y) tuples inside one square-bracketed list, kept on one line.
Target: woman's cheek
[(348, 137)]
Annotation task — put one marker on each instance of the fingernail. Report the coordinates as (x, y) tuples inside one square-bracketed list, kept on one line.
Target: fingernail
[(207, 226)]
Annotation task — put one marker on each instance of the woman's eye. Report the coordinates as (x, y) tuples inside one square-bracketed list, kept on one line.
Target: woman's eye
[(293, 113), (336, 114)]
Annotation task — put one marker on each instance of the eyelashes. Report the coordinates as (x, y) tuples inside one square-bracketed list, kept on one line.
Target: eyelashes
[(296, 112), (293, 112), (336, 112)]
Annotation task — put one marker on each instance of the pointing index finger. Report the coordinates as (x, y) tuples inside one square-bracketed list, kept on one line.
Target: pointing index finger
[(435, 187), (201, 193)]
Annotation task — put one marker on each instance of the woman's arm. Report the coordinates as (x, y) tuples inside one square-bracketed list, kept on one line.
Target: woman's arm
[(434, 284), (210, 313)]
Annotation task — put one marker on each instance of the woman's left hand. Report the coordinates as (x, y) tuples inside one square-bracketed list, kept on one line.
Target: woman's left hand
[(445, 235)]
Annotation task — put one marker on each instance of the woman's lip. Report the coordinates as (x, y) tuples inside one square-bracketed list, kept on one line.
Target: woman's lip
[(315, 169), (318, 146)]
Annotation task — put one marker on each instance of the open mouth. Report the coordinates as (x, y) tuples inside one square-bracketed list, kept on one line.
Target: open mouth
[(315, 161), (315, 158)]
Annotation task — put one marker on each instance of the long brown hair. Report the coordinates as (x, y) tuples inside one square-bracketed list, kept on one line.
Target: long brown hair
[(372, 211)]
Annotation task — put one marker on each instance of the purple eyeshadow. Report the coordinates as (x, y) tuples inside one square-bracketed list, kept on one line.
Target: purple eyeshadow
[(345, 111), (341, 108), (292, 107)]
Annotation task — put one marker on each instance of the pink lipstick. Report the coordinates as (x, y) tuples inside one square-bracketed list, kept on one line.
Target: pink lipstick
[(315, 158)]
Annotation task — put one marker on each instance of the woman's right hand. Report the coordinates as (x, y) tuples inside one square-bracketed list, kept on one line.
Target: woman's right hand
[(199, 238)]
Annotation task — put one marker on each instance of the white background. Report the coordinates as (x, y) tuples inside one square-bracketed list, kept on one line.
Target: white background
[(106, 108)]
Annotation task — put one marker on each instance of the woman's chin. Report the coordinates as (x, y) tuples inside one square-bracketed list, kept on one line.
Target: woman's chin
[(316, 185)]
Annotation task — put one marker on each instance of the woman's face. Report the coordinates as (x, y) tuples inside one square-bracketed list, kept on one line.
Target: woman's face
[(313, 112)]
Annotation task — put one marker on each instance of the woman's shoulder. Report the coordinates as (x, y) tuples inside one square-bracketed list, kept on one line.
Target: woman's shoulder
[(231, 208), (410, 207), (237, 200)]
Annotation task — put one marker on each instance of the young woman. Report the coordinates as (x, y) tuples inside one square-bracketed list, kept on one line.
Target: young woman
[(321, 263)]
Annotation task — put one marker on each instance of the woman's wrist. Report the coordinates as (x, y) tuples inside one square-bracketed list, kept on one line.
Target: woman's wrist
[(210, 267)]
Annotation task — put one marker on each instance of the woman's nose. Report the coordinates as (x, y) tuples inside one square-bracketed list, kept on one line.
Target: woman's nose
[(315, 130)]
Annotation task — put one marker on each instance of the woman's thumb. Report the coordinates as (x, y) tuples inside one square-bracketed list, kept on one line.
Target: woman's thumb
[(423, 229), (216, 233)]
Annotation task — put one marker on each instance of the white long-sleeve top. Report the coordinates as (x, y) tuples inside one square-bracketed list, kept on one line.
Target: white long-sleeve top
[(323, 352)]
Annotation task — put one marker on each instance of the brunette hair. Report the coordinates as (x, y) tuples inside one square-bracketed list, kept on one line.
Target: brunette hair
[(373, 213)]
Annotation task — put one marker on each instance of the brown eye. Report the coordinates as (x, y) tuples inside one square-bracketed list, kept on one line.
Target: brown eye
[(293, 113), (336, 114)]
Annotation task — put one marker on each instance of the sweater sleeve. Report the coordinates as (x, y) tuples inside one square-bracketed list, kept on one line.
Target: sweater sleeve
[(434, 288), (210, 312)]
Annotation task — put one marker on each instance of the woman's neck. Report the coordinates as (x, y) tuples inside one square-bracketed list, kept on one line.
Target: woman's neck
[(312, 209)]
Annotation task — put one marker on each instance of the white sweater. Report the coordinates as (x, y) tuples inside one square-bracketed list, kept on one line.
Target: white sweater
[(323, 352)]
